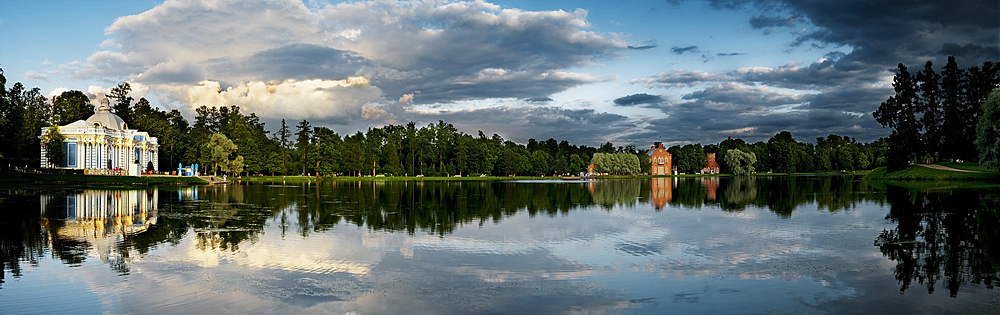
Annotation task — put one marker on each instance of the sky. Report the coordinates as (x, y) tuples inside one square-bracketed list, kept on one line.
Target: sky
[(590, 72)]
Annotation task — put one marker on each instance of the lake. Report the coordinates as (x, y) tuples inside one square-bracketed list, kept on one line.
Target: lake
[(783, 245)]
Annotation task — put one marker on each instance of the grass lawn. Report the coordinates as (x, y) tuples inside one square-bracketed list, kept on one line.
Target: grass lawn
[(15, 177), (925, 185), (916, 172)]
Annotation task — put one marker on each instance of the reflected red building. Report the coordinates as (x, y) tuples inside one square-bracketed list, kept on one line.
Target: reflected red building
[(711, 184), (661, 192)]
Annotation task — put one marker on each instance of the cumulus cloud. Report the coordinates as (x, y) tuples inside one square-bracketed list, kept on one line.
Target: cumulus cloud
[(57, 91), (32, 75), (450, 52), (679, 78), (97, 93), (172, 73), (321, 99), (406, 98)]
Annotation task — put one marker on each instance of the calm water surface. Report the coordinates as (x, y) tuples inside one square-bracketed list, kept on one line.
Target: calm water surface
[(784, 245)]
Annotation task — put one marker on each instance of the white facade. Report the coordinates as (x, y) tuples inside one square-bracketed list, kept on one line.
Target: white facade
[(103, 143)]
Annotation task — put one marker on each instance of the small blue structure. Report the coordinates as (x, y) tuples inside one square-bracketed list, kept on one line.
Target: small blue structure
[(190, 170)]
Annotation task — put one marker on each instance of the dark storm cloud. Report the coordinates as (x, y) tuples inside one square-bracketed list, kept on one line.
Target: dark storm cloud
[(638, 99), (538, 99), (838, 93), (684, 50), (707, 122), (880, 34), (754, 97), (888, 32), (756, 112), (856, 99), (971, 51), (680, 78), (818, 75), (296, 61), (771, 23), (764, 22)]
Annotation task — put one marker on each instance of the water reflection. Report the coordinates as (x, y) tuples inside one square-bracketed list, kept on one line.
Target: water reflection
[(94, 222), (73, 226), (661, 191), (951, 237), (689, 244)]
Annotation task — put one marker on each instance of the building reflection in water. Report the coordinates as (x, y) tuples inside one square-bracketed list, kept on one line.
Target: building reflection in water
[(101, 218), (711, 185), (661, 192), (187, 193)]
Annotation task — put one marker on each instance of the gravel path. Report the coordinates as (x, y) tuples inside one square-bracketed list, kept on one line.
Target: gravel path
[(945, 168)]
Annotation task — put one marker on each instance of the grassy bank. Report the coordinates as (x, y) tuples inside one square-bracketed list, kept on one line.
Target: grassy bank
[(23, 178), (917, 172), (312, 179)]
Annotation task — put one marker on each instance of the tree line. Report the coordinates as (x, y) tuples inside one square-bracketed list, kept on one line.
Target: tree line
[(437, 149), (934, 115)]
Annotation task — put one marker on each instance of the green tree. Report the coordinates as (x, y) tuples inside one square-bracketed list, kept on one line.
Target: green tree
[(303, 135), (281, 137), (220, 148), (540, 162), (328, 147), (929, 103), (900, 113), (122, 102), (12, 121), (618, 163), (353, 154), (71, 106), (52, 140), (988, 132), (786, 154), (739, 162), (235, 165)]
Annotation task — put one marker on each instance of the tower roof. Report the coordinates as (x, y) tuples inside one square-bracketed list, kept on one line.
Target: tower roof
[(105, 118)]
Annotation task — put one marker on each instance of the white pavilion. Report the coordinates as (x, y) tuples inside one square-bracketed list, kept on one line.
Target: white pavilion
[(103, 143)]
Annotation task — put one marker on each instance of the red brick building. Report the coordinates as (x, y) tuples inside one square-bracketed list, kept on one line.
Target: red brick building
[(712, 167), (661, 160)]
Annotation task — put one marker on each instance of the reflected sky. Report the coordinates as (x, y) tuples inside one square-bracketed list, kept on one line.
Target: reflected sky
[(651, 246)]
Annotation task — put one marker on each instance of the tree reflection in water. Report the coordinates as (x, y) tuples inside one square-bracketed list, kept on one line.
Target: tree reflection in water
[(951, 236)]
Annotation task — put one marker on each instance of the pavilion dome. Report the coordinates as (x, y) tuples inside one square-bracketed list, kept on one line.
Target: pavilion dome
[(105, 118)]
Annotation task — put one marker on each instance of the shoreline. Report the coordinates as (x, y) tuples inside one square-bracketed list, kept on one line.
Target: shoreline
[(947, 172), (20, 178), (17, 177)]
